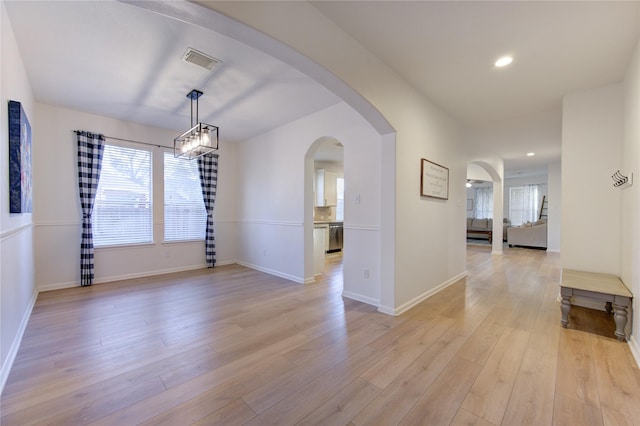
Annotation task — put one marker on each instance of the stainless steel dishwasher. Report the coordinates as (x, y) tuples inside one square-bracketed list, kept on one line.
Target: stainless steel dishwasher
[(335, 237)]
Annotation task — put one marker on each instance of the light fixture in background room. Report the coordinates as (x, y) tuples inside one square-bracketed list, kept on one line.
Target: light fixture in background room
[(503, 61), (200, 139)]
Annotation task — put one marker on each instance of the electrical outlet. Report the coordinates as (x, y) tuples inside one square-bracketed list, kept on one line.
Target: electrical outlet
[(358, 199), (366, 273)]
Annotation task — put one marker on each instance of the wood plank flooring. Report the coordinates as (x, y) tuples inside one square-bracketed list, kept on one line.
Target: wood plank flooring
[(235, 346)]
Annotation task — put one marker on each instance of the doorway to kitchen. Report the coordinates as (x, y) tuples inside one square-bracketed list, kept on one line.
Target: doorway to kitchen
[(326, 164)]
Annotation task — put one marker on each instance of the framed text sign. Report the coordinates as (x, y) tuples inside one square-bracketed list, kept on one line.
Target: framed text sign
[(434, 180)]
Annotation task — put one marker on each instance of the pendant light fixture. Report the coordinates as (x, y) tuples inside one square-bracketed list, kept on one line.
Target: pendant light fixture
[(200, 139)]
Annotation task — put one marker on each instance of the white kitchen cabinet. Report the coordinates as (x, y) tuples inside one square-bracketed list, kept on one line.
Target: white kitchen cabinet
[(318, 249), (326, 191)]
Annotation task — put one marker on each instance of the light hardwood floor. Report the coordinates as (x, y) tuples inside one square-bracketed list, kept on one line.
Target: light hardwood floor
[(236, 346)]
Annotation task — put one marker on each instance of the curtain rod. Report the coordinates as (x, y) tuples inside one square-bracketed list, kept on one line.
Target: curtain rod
[(132, 141)]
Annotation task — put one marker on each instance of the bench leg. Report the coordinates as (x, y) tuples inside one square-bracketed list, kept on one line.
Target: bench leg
[(565, 308), (608, 307), (620, 317)]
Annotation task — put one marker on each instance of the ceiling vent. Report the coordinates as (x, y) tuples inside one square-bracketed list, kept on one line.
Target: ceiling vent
[(196, 57)]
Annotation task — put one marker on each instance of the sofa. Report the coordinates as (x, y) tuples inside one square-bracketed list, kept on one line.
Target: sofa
[(484, 225), (528, 235)]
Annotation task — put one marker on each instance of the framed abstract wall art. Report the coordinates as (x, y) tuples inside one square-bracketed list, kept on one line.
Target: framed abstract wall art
[(20, 198)]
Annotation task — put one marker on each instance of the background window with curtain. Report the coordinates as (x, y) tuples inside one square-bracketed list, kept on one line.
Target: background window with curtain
[(483, 202), (185, 217), (123, 211), (524, 202)]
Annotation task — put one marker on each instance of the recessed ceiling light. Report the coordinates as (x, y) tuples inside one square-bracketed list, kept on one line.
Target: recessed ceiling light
[(504, 61), (530, 154)]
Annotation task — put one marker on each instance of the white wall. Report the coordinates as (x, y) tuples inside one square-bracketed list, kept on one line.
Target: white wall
[(424, 239), (430, 233), (17, 286), (475, 172), (271, 201), (630, 236), (591, 153), (554, 208), (57, 215)]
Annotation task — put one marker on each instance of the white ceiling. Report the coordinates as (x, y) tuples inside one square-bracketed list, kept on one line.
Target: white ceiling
[(447, 49), (330, 150), (122, 61)]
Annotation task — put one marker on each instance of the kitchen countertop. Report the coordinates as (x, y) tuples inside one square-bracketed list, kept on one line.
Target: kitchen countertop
[(327, 222)]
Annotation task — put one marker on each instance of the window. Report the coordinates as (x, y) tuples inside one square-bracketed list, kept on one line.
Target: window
[(185, 217), (524, 202), (340, 198), (483, 202), (122, 212)]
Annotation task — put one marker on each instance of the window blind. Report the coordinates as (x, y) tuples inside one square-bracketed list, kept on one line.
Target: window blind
[(122, 212), (184, 213)]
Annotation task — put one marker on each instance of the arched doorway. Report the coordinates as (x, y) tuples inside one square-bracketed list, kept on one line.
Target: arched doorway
[(324, 168), (486, 171), (371, 273)]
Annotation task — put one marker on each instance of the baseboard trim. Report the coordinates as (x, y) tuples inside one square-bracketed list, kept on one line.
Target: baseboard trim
[(61, 286), (58, 286), (360, 298), (416, 300), (299, 280), (15, 345), (635, 350), (386, 310)]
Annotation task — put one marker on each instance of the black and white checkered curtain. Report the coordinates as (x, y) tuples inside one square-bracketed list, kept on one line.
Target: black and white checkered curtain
[(90, 149), (208, 168)]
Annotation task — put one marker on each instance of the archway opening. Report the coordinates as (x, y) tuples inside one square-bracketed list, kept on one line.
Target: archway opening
[(325, 208), (485, 198)]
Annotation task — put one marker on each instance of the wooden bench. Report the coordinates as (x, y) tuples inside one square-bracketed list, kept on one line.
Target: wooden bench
[(599, 287)]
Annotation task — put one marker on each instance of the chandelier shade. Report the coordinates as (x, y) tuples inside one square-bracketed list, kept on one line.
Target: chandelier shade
[(200, 139)]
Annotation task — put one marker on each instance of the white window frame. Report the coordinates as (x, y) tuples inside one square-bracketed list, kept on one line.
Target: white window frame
[(190, 223), (117, 195)]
